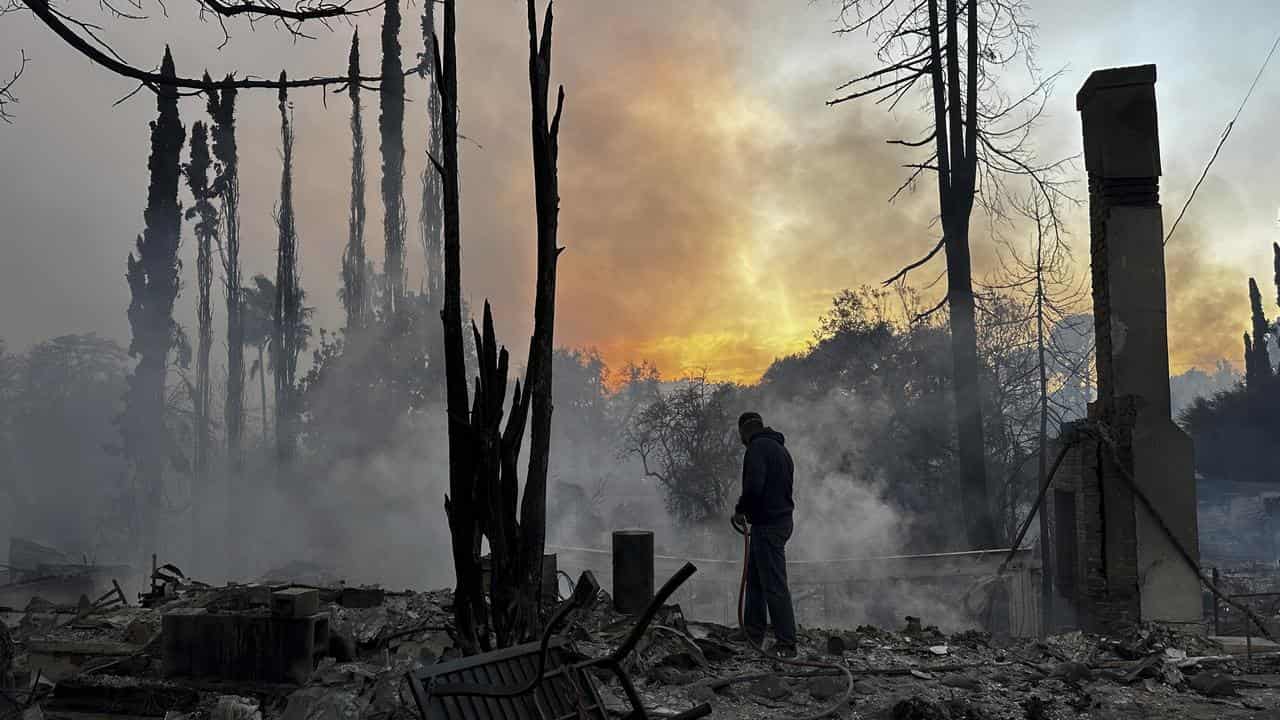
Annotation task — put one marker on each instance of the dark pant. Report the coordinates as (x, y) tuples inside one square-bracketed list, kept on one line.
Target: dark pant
[(767, 585)]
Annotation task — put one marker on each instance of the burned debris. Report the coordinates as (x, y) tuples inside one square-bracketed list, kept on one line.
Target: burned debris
[(264, 650)]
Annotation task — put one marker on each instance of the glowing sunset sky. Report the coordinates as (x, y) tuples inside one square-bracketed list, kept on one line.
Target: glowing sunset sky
[(710, 203)]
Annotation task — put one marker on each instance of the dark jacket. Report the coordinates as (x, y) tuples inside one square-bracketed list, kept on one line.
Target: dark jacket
[(766, 480)]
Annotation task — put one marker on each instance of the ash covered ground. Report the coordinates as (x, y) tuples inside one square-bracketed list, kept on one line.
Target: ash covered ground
[(109, 661)]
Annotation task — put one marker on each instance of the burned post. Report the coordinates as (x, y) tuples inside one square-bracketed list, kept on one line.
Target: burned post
[(632, 570)]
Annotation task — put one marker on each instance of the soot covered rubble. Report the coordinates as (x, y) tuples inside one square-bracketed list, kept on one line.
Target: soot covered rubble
[(84, 661)]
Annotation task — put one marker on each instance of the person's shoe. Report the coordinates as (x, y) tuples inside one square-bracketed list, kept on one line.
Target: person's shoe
[(786, 652)]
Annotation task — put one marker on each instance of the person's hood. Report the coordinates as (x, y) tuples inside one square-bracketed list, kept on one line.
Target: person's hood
[(770, 433)]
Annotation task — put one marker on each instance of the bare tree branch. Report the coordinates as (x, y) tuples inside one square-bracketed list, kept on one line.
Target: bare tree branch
[(878, 88), (902, 274), (920, 317), (7, 98), (301, 10), (54, 20)]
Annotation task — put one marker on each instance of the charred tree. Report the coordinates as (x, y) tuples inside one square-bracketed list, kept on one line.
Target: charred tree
[(461, 503), (924, 44), (355, 292), (1257, 359), (287, 319), (206, 230), (391, 129), (1250, 370), (1275, 252), (546, 151), (222, 108), (483, 454), (431, 216), (1043, 277), (257, 313), (153, 275)]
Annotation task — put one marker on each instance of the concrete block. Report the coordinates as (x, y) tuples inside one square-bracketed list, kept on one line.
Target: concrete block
[(295, 602)]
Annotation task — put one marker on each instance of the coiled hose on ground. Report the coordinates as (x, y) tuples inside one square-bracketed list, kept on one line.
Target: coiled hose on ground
[(745, 531)]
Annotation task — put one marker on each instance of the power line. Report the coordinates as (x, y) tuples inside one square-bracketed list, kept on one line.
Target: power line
[(1223, 139)]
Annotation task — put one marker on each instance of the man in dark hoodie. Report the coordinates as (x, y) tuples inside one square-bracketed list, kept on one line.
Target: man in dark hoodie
[(766, 504)]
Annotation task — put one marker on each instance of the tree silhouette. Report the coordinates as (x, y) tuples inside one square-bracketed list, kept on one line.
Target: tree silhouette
[(685, 440), (7, 98), (355, 288), (976, 137), (485, 499), (1257, 361), (226, 184), (391, 130), (431, 217), (257, 308), (287, 338), (206, 231), (153, 285)]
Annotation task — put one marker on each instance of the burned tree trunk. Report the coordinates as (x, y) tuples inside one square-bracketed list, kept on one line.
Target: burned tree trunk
[(222, 108), (1257, 359), (391, 125), (206, 230), (461, 503), (430, 217), (533, 513), (483, 455), (287, 326), (497, 478), (975, 140), (956, 142), (153, 285), (355, 293), (517, 534)]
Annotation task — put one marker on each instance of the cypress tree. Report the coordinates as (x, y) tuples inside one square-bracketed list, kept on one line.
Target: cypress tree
[(222, 108), (153, 273), (391, 127), (206, 229), (287, 339), (1275, 251), (431, 218), (1249, 370), (1258, 362), (354, 292)]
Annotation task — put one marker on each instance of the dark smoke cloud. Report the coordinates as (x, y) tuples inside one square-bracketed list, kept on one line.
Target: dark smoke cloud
[(711, 204)]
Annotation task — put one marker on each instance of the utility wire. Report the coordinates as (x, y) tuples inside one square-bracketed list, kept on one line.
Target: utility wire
[(1223, 139)]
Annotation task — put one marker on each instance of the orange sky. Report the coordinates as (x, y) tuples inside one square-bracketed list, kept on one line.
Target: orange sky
[(711, 205)]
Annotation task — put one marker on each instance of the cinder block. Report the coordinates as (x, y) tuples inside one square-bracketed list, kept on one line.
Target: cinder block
[(295, 602)]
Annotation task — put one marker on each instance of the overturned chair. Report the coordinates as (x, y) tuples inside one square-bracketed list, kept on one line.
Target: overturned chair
[(542, 680)]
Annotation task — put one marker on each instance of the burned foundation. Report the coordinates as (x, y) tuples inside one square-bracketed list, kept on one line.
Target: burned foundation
[(1117, 560)]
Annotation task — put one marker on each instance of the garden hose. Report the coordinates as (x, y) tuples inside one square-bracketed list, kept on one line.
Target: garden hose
[(745, 530)]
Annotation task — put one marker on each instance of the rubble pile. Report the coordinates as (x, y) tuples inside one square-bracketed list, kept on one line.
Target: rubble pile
[(61, 662)]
